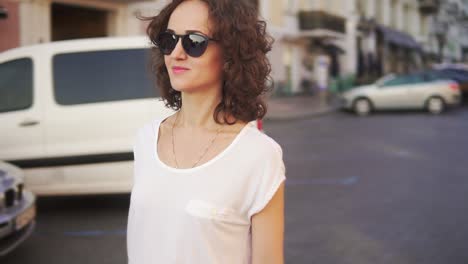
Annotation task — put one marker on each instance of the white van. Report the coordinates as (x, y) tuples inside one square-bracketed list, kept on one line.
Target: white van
[(69, 112)]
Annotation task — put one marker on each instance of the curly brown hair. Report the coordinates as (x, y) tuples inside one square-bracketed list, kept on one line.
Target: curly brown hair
[(246, 72)]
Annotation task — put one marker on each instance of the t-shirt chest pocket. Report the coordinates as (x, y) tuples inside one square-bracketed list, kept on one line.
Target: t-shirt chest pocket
[(207, 210)]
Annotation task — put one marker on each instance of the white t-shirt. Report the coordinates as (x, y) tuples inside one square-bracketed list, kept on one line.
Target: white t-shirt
[(202, 214)]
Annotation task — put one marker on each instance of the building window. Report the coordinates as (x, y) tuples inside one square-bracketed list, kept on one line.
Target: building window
[(74, 22), (380, 11), (424, 25), (288, 6), (361, 8), (407, 25), (255, 3), (393, 13)]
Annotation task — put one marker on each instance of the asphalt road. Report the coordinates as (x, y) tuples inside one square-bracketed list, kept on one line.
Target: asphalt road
[(389, 188)]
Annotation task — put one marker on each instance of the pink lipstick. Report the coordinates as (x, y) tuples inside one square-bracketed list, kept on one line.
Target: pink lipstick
[(179, 70)]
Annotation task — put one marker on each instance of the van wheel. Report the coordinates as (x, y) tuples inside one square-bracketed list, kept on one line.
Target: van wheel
[(435, 105), (362, 107)]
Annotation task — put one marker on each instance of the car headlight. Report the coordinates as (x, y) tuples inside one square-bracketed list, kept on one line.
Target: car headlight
[(9, 199), (10, 196)]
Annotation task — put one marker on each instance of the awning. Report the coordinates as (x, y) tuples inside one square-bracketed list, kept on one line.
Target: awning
[(398, 38), (333, 47)]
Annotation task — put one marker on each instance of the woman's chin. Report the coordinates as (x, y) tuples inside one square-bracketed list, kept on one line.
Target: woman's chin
[(183, 87)]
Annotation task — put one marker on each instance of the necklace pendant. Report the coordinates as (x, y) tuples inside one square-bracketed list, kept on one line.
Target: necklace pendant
[(204, 152)]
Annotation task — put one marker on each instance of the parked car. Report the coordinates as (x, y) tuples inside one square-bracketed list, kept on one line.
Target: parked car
[(17, 208), (458, 75), (412, 91), (69, 111)]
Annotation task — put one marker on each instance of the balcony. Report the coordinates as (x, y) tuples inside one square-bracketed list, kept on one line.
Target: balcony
[(428, 7), (313, 20)]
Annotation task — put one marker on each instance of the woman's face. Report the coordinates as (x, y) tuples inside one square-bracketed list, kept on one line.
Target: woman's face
[(190, 74)]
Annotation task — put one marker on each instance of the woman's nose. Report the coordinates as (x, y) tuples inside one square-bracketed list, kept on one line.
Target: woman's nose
[(178, 52)]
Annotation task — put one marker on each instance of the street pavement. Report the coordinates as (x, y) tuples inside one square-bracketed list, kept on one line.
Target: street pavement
[(384, 189), (390, 188), (297, 107)]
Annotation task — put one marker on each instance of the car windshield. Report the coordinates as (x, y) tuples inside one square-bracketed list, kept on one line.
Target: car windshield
[(385, 78)]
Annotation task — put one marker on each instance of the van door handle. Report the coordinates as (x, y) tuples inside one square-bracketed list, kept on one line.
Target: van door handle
[(29, 123)]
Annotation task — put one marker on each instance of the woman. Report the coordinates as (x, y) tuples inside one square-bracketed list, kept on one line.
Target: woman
[(208, 186)]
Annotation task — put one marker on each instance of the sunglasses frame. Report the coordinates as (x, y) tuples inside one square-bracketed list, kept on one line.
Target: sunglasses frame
[(178, 37)]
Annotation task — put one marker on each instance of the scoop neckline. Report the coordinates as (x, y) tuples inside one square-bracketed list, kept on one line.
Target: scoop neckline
[(206, 164)]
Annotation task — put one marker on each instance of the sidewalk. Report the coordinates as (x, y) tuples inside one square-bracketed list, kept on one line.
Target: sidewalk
[(297, 107)]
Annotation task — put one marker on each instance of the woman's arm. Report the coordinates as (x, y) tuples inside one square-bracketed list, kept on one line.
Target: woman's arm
[(268, 231)]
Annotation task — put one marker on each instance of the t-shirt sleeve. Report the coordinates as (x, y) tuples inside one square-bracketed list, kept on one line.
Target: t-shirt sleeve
[(272, 175), (131, 210)]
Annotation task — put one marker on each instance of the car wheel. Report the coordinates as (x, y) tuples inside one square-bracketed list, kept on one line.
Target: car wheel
[(362, 107), (435, 105)]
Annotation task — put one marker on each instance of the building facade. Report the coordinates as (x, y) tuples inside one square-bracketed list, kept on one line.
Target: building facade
[(361, 38), (390, 36), (37, 21), (316, 41), (447, 39)]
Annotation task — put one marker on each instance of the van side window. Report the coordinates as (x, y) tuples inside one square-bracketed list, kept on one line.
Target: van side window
[(102, 76), (16, 84)]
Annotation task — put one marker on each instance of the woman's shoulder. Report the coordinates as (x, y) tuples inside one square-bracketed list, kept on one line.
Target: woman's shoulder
[(148, 128), (261, 142)]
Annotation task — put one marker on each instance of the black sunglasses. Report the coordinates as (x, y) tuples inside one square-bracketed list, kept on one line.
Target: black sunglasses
[(194, 44)]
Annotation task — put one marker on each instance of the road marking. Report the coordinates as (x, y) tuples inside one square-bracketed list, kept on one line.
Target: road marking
[(394, 150)]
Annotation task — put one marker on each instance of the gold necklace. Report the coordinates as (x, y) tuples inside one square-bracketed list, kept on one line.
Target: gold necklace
[(203, 154)]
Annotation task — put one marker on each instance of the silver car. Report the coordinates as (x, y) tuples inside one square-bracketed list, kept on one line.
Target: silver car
[(413, 91), (17, 208)]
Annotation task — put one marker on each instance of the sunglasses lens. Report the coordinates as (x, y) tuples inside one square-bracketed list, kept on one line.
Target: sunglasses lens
[(195, 45), (166, 43)]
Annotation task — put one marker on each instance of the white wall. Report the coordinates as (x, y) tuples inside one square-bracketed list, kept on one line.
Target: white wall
[(34, 22), (370, 8), (384, 11), (35, 18), (398, 16), (145, 9), (350, 44)]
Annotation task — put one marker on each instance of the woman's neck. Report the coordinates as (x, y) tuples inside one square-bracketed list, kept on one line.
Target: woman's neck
[(197, 110)]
